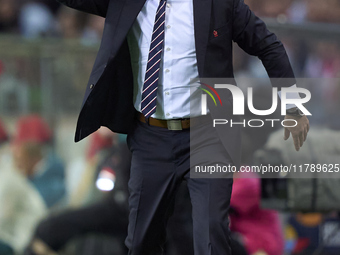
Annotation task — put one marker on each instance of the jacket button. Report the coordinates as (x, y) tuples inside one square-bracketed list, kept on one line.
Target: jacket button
[(91, 86)]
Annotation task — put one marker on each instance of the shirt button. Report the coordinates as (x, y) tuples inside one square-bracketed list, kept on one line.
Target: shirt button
[(167, 70), (167, 93), (168, 49), (168, 5), (168, 114), (168, 26)]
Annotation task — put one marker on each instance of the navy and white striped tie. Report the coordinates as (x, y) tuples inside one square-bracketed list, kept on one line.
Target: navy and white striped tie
[(149, 93)]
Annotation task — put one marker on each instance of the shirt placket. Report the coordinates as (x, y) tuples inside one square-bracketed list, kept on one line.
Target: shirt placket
[(167, 64)]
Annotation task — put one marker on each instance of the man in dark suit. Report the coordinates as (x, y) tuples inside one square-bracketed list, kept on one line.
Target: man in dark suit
[(140, 85)]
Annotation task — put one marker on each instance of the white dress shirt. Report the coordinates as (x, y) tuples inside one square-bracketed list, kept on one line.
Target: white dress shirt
[(178, 65)]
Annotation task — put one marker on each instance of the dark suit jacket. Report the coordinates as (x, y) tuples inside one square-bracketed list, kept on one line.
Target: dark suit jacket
[(108, 99)]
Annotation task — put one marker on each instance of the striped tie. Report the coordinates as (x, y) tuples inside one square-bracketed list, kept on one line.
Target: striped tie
[(149, 93)]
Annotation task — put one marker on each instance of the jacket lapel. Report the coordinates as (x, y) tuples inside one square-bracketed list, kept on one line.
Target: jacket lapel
[(127, 16), (202, 12)]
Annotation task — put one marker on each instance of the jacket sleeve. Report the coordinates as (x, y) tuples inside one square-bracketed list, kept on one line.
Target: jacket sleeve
[(96, 7), (252, 35)]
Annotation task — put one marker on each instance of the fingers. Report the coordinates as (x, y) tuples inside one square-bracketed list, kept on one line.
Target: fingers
[(296, 142), (301, 138), (299, 132), (286, 134), (306, 132)]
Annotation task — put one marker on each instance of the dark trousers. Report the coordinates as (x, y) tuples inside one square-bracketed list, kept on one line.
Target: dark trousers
[(161, 160)]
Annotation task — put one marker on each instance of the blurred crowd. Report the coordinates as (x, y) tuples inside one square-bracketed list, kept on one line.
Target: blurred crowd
[(33, 18), (297, 10), (36, 184), (41, 18)]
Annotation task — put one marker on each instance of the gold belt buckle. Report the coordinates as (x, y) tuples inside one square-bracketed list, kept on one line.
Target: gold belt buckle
[(174, 124)]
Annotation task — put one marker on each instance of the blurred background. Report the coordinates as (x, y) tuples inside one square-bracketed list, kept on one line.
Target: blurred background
[(50, 186)]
